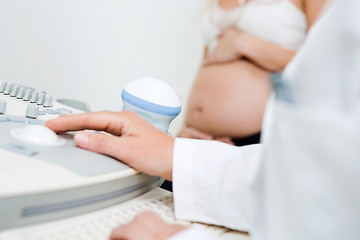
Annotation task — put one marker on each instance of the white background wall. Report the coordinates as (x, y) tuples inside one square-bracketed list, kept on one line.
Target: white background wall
[(90, 49)]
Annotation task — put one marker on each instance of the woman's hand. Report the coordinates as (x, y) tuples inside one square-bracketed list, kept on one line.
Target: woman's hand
[(190, 132), (230, 44), (145, 226), (132, 140)]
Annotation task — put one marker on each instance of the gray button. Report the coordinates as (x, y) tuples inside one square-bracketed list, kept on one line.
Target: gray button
[(41, 99), (48, 101), (32, 111), (28, 94), (2, 106), (21, 93), (14, 91), (2, 86), (8, 88), (16, 148), (34, 97)]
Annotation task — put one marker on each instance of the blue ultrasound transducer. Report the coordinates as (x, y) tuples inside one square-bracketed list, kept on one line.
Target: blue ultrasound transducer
[(152, 99)]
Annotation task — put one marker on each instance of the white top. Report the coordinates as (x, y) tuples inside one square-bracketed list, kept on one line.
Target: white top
[(305, 185), (277, 21)]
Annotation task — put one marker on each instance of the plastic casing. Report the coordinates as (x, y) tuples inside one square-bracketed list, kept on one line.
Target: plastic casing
[(153, 100)]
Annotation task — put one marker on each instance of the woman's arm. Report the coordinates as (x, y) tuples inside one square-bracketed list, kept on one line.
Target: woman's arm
[(267, 55), (234, 44)]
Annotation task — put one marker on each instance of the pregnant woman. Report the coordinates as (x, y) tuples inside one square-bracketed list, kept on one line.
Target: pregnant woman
[(246, 40)]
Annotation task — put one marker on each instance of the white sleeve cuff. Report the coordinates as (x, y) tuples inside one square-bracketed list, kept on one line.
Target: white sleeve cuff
[(212, 182)]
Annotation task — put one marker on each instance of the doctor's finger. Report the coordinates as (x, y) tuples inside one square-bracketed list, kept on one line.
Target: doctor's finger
[(102, 143), (102, 121)]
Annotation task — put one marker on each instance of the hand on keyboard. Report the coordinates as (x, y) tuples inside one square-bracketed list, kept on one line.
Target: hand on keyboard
[(146, 226)]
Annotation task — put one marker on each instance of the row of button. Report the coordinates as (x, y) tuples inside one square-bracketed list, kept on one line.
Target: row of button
[(32, 110), (26, 93)]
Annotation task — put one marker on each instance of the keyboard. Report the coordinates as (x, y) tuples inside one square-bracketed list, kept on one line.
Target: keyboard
[(99, 224)]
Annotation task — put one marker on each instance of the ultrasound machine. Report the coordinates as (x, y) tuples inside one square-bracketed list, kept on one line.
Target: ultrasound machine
[(51, 189)]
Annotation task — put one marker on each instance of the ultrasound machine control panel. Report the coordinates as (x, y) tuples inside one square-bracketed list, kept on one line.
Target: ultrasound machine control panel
[(44, 176)]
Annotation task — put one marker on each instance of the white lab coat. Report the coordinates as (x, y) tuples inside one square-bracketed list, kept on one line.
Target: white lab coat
[(304, 181)]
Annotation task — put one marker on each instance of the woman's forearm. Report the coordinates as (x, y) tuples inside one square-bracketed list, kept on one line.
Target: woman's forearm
[(265, 54)]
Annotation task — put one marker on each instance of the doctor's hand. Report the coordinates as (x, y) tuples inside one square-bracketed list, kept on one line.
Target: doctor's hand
[(145, 226), (132, 140)]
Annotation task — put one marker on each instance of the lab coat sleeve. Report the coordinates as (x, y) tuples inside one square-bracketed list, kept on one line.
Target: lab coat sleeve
[(212, 182)]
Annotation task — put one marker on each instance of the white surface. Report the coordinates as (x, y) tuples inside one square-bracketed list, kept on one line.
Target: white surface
[(153, 90), (90, 49), (310, 88), (34, 171)]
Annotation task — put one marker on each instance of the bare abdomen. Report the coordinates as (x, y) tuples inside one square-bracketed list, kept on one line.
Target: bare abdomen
[(229, 99)]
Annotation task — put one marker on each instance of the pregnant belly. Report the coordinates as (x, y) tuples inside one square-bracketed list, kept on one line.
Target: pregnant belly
[(229, 99)]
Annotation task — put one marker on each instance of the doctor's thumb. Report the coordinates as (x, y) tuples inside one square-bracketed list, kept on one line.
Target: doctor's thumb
[(98, 142)]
